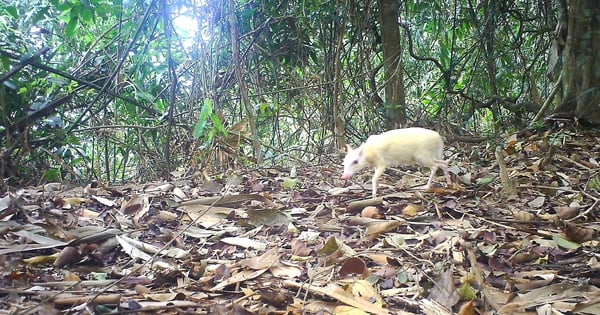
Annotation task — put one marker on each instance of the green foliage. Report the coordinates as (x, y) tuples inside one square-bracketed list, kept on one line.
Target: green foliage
[(53, 175), (209, 124), (100, 91)]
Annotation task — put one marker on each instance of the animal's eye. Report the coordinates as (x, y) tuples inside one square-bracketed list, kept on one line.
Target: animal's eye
[(354, 162)]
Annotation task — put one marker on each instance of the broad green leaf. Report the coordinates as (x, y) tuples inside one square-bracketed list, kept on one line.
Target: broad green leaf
[(12, 10), (52, 175), (206, 112), (564, 243), (71, 25), (86, 15), (484, 181), (218, 124)]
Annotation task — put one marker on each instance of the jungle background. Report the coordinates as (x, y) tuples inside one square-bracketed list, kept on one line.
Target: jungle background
[(180, 156), (117, 91)]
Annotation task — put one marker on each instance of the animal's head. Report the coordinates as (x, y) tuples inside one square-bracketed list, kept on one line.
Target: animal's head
[(353, 162)]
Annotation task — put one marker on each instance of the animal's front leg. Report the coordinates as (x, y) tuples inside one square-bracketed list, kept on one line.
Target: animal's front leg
[(375, 180)]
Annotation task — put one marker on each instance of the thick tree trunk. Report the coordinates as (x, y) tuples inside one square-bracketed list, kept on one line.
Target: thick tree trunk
[(581, 62), (394, 80)]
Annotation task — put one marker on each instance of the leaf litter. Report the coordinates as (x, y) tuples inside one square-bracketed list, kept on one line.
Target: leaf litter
[(517, 235)]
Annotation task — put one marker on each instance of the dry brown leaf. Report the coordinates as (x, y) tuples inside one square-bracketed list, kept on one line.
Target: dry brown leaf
[(412, 210), (135, 205), (266, 260), (282, 269), (165, 297), (206, 216), (523, 216), (268, 217), (335, 249), (524, 257), (240, 276), (68, 256), (444, 291), (467, 309), (579, 234), (354, 266), (370, 212), (376, 229), (566, 213)]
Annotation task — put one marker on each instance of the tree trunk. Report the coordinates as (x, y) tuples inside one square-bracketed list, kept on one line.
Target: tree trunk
[(239, 75), (581, 62), (394, 86)]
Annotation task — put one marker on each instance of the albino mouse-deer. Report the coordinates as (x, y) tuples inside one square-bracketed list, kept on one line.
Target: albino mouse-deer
[(398, 147)]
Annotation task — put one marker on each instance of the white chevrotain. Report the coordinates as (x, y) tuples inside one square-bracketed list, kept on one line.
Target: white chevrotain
[(398, 147)]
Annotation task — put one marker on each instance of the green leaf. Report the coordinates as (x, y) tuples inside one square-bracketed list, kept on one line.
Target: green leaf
[(467, 292), (199, 129), (218, 124), (70, 29), (594, 182), (290, 183), (87, 15), (99, 275), (564, 243), (39, 15), (207, 110), (484, 181), (402, 277), (146, 96), (52, 175), (12, 10)]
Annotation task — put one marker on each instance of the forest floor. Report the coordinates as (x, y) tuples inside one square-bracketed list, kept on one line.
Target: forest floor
[(517, 235)]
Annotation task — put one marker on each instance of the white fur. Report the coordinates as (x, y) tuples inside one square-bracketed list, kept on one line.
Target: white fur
[(398, 147)]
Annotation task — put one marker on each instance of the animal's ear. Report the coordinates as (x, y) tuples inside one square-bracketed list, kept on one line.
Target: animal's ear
[(348, 148)]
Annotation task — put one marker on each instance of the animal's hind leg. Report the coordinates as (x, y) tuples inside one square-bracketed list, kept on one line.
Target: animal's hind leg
[(444, 166)]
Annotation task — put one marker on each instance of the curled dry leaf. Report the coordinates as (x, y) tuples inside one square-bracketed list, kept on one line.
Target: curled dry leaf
[(136, 204), (566, 213), (524, 257), (354, 266), (105, 201), (335, 249), (377, 229), (68, 256), (277, 299), (244, 242), (338, 191), (165, 187), (179, 194), (523, 216), (579, 234), (467, 309), (412, 210), (370, 212)]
